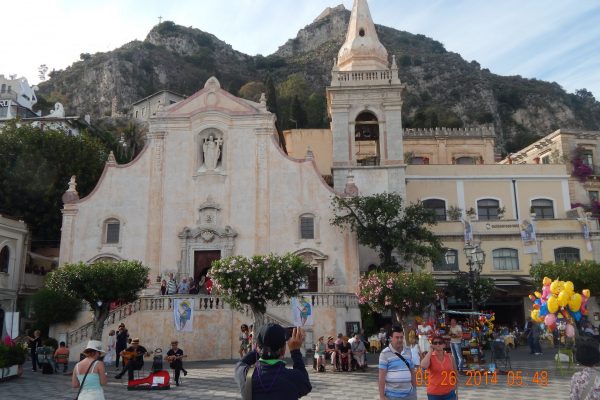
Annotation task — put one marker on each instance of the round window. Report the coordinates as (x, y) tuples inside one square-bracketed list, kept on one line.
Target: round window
[(361, 32)]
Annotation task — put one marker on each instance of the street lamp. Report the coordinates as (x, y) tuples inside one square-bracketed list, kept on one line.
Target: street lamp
[(475, 260)]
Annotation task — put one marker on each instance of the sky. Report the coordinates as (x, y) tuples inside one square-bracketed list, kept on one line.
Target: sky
[(556, 41)]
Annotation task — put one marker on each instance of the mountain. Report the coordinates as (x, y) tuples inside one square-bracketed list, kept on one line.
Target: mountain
[(442, 89)]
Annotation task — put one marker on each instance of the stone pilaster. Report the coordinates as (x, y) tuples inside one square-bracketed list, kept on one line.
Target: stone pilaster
[(155, 203), (262, 214), (69, 219)]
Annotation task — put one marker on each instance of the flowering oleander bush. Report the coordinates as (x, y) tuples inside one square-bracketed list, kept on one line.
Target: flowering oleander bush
[(402, 292), (257, 280)]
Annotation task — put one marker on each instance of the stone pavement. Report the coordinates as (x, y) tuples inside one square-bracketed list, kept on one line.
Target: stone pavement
[(214, 380)]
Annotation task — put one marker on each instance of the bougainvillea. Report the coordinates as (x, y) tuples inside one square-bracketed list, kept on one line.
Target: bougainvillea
[(581, 170), (402, 292), (258, 280)]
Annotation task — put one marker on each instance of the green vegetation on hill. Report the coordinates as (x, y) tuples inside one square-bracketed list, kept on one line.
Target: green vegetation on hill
[(442, 89)]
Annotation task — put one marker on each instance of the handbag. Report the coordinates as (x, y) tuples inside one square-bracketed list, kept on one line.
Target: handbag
[(83, 380)]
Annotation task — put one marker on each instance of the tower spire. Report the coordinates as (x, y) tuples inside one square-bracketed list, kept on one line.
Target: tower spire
[(362, 50)]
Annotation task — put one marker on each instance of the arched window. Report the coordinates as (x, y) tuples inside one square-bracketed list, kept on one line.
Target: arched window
[(466, 160), (566, 254), (487, 209), (441, 263), (4, 259), (307, 226), (112, 231), (438, 206), (506, 259), (543, 208), (366, 139)]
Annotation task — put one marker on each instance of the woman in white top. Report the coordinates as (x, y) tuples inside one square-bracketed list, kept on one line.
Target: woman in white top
[(424, 332), (91, 387), (111, 348)]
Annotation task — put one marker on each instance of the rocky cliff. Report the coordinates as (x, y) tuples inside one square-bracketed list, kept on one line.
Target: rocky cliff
[(442, 88)]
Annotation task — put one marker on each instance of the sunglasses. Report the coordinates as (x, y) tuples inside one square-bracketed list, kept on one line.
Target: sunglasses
[(437, 342)]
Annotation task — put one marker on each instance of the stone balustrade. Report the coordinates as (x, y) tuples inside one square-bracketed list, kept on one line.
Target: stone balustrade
[(478, 132), (202, 303), (382, 77)]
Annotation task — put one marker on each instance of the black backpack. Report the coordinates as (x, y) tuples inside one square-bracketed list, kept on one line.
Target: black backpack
[(47, 369)]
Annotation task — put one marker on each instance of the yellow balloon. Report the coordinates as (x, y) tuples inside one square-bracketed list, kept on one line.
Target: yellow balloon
[(586, 293), (563, 298), (537, 294), (561, 286), (575, 302), (569, 287), (535, 315), (554, 288), (552, 304), (546, 281)]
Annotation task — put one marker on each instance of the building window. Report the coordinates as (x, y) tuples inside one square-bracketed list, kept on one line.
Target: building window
[(307, 227), (4, 259), (543, 209), (441, 265), (566, 254), (546, 160), (593, 195), (112, 231), (487, 209), (466, 160), (419, 161), (366, 139), (506, 259), (587, 157), (438, 206)]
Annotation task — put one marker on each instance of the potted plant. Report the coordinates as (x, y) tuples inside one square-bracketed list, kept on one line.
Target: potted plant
[(501, 211), (12, 358), (454, 213), (471, 212)]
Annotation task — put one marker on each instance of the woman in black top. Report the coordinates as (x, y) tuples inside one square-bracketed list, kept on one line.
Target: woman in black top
[(34, 342)]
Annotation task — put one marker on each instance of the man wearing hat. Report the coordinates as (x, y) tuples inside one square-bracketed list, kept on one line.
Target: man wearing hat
[(137, 362), (270, 379), (174, 357)]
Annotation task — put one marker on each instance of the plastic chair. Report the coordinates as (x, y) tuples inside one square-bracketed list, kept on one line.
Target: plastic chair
[(500, 352), (570, 359)]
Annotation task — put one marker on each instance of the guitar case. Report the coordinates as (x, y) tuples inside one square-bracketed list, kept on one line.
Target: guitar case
[(155, 381)]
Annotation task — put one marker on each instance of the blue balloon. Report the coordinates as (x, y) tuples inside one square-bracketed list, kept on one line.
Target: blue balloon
[(543, 310), (576, 315), (538, 302)]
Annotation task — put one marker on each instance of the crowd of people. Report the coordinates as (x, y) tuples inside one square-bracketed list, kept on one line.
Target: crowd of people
[(170, 286)]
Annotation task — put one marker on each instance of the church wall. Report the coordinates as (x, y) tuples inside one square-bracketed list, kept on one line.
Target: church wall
[(122, 193)]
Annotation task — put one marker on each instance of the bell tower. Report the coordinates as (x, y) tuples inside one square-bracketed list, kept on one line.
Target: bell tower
[(364, 102)]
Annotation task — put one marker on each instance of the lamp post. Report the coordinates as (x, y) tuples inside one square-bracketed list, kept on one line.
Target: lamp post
[(475, 260)]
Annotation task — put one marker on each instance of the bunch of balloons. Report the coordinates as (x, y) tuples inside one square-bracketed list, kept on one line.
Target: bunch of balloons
[(559, 304), (487, 322)]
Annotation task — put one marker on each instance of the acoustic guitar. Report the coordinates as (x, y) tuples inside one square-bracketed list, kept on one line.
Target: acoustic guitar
[(173, 358), (131, 355)]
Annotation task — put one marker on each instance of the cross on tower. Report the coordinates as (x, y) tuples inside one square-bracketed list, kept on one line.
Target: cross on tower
[(159, 20)]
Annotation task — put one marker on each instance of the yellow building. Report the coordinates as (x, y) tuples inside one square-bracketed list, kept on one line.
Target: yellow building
[(571, 148)]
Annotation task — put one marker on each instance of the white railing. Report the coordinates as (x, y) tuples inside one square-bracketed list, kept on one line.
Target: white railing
[(203, 303), (365, 77)]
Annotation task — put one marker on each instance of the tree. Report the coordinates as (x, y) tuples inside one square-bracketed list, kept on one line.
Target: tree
[(258, 280), (483, 288), (50, 307), (583, 274), (271, 95), (35, 167), (382, 223), (403, 293), (100, 284), (297, 113), (252, 91), (42, 70)]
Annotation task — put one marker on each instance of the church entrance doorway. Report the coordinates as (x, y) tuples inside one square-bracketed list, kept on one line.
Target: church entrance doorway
[(202, 261)]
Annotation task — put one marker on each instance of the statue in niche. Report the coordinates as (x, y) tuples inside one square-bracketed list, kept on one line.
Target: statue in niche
[(212, 150)]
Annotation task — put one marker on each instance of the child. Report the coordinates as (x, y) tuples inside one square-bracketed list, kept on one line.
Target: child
[(415, 351), (61, 356)]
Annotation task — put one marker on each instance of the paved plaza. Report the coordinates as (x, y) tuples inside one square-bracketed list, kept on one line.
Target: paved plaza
[(214, 380)]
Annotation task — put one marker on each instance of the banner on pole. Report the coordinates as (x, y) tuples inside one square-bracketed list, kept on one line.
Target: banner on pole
[(528, 237), (11, 324), (183, 314), (302, 311), (468, 231)]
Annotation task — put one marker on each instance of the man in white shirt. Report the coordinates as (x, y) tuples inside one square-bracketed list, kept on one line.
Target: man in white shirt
[(455, 343)]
